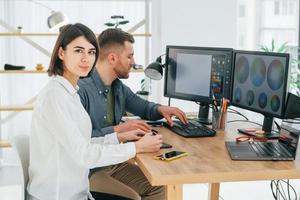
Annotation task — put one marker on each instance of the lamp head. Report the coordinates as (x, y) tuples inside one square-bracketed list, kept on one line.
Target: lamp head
[(155, 70), (56, 20)]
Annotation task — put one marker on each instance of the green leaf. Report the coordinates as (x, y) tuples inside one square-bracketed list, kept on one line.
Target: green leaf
[(117, 17), (295, 61), (123, 22), (273, 45), (109, 24), (264, 48), (283, 48)]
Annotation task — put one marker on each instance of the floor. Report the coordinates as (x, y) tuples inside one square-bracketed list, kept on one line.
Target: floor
[(256, 190)]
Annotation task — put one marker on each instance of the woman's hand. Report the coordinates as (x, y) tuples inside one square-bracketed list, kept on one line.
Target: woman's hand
[(148, 143), (132, 135)]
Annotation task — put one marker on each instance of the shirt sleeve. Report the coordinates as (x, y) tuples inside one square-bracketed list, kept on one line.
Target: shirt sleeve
[(107, 139), (66, 132)]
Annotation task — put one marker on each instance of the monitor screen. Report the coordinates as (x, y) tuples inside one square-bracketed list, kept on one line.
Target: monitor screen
[(195, 73), (260, 81)]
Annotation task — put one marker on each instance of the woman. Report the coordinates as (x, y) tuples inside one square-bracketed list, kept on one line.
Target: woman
[(61, 148)]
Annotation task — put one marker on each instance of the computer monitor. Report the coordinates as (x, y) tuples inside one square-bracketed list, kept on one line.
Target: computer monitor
[(195, 73), (260, 83)]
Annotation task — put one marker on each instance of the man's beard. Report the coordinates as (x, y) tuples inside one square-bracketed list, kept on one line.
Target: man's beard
[(121, 74)]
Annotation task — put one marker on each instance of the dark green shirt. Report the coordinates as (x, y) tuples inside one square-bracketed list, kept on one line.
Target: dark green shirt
[(110, 115)]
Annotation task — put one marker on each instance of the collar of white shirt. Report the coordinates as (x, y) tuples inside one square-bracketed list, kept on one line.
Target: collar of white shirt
[(66, 84)]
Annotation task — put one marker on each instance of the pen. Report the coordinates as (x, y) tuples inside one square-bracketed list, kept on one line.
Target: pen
[(215, 104), (154, 132)]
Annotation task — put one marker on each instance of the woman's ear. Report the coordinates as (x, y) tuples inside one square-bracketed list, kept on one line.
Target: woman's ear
[(61, 53)]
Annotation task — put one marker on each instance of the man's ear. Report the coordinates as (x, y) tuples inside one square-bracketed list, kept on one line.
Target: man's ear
[(112, 58), (61, 53)]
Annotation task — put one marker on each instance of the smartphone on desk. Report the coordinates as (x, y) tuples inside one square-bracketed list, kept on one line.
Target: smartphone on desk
[(172, 155)]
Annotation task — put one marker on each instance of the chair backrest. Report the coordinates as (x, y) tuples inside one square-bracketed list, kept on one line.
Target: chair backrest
[(21, 144)]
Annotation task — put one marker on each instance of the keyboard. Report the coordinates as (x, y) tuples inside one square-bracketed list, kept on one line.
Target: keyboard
[(270, 149), (192, 129)]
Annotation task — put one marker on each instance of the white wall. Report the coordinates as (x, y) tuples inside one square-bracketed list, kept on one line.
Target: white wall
[(192, 23)]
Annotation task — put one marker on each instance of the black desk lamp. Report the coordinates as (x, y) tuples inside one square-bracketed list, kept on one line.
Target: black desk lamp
[(155, 70)]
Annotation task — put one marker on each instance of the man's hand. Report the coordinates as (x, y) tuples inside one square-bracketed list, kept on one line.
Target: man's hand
[(148, 143), (133, 135), (132, 124), (167, 112)]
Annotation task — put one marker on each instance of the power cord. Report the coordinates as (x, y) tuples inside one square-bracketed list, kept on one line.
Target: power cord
[(279, 192), (243, 120), (238, 113), (291, 122), (277, 126)]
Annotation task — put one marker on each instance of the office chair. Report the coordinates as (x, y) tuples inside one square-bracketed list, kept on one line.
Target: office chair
[(21, 144)]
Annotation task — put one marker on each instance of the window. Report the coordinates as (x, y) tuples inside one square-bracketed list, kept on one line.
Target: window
[(276, 7), (242, 11), (269, 20)]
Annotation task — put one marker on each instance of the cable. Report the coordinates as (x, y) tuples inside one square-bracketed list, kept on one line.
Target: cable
[(277, 126), (242, 120), (291, 122), (169, 101), (288, 188), (297, 119), (239, 113), (279, 192)]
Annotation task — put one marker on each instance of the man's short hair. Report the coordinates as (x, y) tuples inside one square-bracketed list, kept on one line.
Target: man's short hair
[(112, 38)]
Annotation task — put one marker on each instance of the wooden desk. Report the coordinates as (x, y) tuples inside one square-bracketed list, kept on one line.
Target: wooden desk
[(209, 162)]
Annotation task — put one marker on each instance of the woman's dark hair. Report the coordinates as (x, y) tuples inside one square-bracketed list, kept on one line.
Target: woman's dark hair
[(67, 34)]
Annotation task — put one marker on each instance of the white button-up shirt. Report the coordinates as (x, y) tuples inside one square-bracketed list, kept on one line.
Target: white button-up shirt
[(61, 148)]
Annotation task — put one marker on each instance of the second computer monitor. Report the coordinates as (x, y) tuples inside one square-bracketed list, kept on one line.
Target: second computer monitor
[(260, 83), (195, 73)]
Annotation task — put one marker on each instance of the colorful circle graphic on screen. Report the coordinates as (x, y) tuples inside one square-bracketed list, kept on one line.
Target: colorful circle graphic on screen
[(275, 75), (242, 69), (250, 97), (275, 103), (237, 95), (258, 72), (262, 100)]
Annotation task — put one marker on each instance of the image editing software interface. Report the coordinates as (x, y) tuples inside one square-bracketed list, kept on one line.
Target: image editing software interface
[(260, 84), (195, 73)]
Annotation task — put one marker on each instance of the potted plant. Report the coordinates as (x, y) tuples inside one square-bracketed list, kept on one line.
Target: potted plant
[(294, 79), (117, 20)]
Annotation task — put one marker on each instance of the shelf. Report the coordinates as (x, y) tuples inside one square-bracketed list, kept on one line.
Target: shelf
[(43, 71), (137, 70), (56, 34), (4, 144), (16, 107), (22, 71)]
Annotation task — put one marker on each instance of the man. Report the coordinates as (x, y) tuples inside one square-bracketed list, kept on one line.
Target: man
[(106, 99)]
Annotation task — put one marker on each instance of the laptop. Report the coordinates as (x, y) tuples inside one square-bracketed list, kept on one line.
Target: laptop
[(282, 149)]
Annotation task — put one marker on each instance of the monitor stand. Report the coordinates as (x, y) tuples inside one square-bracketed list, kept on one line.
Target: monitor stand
[(267, 128), (203, 115)]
